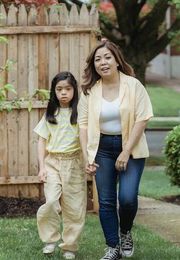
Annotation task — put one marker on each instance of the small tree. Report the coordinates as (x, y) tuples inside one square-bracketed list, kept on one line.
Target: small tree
[(172, 153)]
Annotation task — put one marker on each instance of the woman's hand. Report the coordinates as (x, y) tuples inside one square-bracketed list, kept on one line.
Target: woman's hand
[(122, 160), (42, 175), (91, 168)]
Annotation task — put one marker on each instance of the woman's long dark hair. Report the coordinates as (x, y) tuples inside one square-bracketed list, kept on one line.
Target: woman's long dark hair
[(91, 76), (54, 106)]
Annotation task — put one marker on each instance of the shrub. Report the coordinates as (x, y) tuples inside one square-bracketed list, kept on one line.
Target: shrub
[(172, 153)]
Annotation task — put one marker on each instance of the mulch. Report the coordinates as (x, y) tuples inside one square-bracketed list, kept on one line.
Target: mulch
[(21, 207), (172, 199)]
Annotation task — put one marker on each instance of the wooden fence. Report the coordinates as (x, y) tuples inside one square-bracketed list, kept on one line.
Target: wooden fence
[(41, 42)]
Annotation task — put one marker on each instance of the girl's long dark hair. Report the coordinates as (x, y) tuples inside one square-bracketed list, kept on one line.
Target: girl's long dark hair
[(54, 106), (90, 75)]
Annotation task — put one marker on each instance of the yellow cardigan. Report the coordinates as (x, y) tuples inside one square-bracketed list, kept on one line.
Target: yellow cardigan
[(135, 106)]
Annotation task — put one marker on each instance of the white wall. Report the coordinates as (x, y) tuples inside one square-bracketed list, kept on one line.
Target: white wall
[(175, 66), (165, 66)]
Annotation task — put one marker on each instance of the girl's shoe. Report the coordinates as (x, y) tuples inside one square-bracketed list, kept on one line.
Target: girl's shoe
[(69, 255), (49, 248)]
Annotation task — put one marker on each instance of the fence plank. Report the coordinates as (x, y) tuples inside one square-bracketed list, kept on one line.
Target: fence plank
[(3, 15), (33, 55), (3, 145), (12, 49), (32, 16), (3, 47), (94, 17), (74, 43), (12, 143), (53, 48), (64, 40), (42, 18), (32, 85), (22, 54), (53, 16), (19, 180), (43, 29), (23, 115), (64, 15), (84, 40), (12, 130)]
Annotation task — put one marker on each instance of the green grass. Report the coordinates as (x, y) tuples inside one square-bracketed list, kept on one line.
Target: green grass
[(156, 184), (19, 241), (165, 101)]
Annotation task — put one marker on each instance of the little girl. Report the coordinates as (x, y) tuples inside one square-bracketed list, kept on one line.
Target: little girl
[(61, 169)]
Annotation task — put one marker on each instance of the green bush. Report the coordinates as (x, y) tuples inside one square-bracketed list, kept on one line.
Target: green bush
[(172, 153)]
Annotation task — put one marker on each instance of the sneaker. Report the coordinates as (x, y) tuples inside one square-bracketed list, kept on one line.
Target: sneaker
[(49, 248), (69, 255), (127, 247), (112, 253)]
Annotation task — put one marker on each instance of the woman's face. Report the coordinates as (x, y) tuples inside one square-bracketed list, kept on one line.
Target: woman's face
[(105, 63), (64, 93)]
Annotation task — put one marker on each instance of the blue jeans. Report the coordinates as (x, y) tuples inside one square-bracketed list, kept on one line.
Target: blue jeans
[(116, 212)]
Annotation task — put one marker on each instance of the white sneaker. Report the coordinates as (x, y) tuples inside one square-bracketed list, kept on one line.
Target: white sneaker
[(127, 246), (69, 255), (112, 253), (49, 248)]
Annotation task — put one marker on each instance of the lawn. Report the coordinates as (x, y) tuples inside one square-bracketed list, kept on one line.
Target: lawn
[(19, 241), (165, 101), (156, 184)]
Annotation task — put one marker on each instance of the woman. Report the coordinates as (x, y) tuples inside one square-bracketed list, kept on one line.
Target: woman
[(113, 112)]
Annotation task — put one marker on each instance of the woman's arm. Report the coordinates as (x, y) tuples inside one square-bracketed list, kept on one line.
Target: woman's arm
[(137, 131), (83, 142), (89, 168), (41, 157)]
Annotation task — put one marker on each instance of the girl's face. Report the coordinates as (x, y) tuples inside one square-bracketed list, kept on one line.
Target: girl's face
[(105, 63), (64, 93)]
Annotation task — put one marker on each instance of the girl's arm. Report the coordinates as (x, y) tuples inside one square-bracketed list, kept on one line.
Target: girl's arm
[(137, 131), (41, 157)]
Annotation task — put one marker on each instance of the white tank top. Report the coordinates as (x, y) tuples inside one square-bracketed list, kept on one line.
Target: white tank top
[(110, 122)]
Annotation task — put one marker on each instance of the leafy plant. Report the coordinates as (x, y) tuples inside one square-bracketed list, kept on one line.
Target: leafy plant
[(172, 153)]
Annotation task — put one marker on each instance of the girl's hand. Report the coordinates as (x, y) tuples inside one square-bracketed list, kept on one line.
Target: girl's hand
[(42, 175), (122, 160), (91, 168)]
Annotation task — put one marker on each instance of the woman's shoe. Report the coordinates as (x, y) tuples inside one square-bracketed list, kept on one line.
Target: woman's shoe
[(127, 247), (112, 253)]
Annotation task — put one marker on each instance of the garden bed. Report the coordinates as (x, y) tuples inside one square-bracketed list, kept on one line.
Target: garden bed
[(14, 207)]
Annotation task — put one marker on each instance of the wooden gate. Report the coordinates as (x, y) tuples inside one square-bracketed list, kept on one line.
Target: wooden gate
[(41, 42)]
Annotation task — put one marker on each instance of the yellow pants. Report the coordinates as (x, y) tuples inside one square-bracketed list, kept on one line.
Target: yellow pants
[(65, 191)]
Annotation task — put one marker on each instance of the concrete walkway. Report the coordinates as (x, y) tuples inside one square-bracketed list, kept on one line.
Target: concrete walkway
[(160, 217)]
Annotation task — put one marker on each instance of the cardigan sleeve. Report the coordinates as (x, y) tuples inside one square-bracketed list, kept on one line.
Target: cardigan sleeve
[(83, 111), (143, 107)]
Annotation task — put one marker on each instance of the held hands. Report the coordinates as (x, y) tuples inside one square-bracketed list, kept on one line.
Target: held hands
[(122, 160), (91, 168), (42, 175)]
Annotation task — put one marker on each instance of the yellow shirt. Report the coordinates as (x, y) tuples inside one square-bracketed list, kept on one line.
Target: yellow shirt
[(135, 106), (60, 138)]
